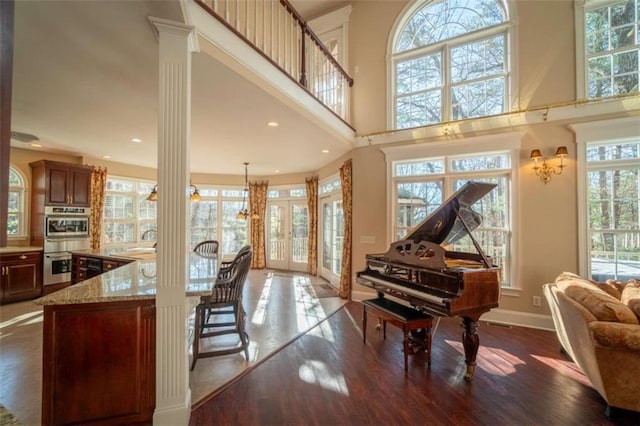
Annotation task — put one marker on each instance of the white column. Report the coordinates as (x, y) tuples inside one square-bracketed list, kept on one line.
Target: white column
[(173, 396)]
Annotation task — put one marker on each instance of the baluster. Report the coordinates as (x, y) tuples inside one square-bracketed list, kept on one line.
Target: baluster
[(255, 22), (237, 15), (226, 11), (271, 30), (247, 31), (264, 23), (278, 37), (287, 44), (303, 65)]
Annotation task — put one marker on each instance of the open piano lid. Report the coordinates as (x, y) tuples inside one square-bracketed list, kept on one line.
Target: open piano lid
[(445, 224)]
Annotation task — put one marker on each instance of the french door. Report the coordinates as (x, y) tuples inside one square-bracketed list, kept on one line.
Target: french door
[(332, 236), (287, 235)]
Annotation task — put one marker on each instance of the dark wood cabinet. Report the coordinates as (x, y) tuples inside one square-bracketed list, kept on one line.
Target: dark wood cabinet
[(107, 348), (21, 276), (84, 267), (61, 184)]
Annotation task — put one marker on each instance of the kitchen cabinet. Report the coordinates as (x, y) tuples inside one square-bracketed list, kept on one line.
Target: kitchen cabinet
[(21, 276), (61, 184), (85, 267), (99, 363)]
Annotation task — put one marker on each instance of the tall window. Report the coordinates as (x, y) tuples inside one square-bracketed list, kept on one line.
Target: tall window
[(130, 220), (16, 216), (127, 214), (612, 46), (613, 200), (420, 186), (450, 62)]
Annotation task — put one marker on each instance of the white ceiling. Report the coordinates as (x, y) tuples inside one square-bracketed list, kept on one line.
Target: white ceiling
[(85, 82)]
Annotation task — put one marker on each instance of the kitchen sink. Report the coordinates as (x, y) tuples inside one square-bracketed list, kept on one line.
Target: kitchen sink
[(140, 250)]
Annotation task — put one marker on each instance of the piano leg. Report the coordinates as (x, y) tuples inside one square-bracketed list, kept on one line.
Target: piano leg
[(470, 341)]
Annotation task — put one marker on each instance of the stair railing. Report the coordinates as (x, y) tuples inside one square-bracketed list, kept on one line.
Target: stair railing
[(278, 32)]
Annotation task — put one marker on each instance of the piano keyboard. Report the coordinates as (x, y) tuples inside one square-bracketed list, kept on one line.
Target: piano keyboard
[(404, 289)]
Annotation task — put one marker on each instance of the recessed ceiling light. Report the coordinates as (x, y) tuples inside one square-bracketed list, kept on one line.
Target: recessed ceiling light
[(272, 124), (136, 140), (325, 151), (276, 171), (36, 145), (106, 157)]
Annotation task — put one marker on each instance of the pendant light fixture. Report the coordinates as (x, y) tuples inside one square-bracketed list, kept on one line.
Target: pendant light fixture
[(243, 214), (195, 195)]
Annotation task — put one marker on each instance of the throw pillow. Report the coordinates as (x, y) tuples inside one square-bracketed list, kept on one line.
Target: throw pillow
[(602, 305), (610, 288), (631, 296)]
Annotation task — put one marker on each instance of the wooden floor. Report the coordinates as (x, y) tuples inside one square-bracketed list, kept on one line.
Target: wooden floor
[(329, 377)]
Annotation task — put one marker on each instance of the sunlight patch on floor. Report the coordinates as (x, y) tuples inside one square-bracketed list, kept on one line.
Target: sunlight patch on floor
[(261, 308), (317, 373), (27, 317), (501, 370), (323, 331), (567, 368), (309, 311)]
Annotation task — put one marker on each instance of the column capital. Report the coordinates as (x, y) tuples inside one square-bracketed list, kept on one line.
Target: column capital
[(161, 25)]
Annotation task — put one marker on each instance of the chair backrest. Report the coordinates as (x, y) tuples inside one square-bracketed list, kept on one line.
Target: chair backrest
[(207, 248), (226, 267), (230, 288)]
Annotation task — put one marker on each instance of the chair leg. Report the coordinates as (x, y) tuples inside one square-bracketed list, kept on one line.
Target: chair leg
[(196, 336), (241, 317)]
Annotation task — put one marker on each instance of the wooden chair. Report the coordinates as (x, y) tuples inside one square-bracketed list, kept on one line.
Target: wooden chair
[(224, 300), (225, 267), (207, 248)]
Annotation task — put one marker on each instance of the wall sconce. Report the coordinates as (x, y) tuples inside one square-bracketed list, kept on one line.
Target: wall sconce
[(195, 195), (544, 171)]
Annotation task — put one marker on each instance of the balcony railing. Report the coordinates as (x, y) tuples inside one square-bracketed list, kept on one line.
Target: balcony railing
[(299, 250), (276, 30)]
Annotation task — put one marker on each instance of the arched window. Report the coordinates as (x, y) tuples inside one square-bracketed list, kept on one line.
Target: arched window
[(449, 61), (15, 223)]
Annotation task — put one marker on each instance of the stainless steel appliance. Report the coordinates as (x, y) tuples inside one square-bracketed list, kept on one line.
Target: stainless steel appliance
[(63, 222), (57, 258), (66, 230)]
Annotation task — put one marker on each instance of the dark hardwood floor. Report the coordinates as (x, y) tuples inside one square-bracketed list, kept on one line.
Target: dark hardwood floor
[(329, 377)]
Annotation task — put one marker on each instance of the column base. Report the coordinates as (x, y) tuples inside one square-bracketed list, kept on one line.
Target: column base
[(174, 415)]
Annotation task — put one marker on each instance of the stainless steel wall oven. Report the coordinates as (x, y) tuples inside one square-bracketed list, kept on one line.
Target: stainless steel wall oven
[(66, 230)]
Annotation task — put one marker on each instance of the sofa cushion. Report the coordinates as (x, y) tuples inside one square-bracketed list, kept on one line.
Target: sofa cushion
[(602, 305), (631, 296), (612, 287), (616, 335)]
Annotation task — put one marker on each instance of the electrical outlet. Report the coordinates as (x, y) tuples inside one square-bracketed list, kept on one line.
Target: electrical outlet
[(536, 301)]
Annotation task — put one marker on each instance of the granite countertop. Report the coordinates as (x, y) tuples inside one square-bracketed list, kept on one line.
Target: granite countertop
[(17, 249), (134, 281)]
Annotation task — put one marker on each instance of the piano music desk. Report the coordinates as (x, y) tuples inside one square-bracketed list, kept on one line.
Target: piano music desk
[(403, 317)]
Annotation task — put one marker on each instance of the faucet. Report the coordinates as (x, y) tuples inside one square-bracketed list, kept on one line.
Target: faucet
[(151, 232)]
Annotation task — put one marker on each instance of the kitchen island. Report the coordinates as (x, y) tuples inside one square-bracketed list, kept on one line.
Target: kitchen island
[(99, 343)]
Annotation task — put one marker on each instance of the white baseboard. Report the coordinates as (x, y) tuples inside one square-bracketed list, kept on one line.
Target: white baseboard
[(176, 415), (522, 319), (498, 316)]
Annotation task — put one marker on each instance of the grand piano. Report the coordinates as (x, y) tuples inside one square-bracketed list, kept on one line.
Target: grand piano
[(419, 270)]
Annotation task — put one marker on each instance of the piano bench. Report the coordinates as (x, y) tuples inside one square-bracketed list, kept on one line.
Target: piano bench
[(403, 317)]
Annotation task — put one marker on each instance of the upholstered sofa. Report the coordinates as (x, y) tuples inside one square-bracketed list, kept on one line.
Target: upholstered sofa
[(598, 327)]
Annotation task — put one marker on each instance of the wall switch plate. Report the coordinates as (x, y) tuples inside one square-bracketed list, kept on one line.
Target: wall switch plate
[(536, 301)]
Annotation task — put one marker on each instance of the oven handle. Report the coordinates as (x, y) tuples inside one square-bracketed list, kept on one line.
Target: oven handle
[(58, 256)]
